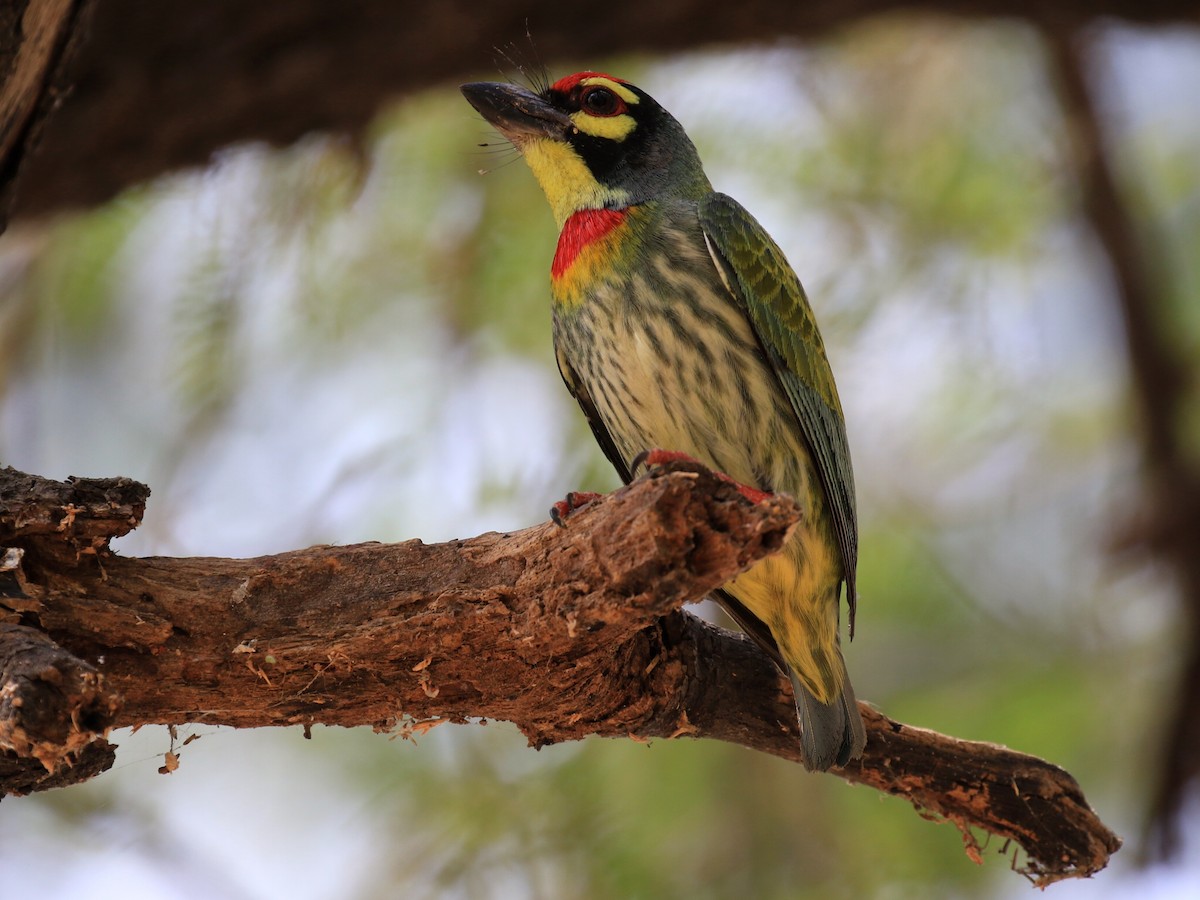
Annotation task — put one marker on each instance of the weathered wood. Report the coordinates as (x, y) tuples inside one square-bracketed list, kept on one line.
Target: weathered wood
[(52, 705)]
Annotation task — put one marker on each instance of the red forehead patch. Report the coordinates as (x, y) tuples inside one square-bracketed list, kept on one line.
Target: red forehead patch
[(566, 85)]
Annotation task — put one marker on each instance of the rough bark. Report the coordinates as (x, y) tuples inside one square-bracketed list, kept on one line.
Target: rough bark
[(164, 85), (53, 707), (568, 632)]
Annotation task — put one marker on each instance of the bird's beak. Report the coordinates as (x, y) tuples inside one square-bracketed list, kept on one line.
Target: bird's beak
[(517, 113)]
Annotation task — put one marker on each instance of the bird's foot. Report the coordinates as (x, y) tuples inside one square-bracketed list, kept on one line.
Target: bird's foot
[(657, 457), (574, 501)]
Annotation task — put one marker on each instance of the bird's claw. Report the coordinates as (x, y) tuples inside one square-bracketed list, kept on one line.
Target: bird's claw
[(573, 502), (657, 457)]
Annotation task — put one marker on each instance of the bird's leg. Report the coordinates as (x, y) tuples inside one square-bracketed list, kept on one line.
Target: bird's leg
[(573, 501), (657, 457)]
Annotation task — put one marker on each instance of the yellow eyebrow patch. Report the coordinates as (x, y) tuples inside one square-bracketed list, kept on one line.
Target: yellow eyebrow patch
[(616, 87)]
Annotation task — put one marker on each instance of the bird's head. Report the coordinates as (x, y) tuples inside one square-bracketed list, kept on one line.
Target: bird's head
[(594, 141)]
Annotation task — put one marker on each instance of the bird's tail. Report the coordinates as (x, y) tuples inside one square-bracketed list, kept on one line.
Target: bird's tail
[(830, 733)]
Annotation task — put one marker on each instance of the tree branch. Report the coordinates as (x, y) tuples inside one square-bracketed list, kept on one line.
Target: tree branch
[(567, 632)]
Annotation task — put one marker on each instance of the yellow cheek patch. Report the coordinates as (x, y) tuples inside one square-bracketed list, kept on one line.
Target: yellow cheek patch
[(615, 128), (566, 181)]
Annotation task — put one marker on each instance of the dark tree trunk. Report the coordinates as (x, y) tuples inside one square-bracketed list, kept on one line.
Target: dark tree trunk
[(159, 86)]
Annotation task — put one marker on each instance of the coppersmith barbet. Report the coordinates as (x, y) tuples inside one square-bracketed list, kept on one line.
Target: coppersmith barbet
[(679, 325)]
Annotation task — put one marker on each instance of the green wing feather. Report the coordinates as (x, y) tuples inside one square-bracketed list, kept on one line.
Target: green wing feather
[(754, 269)]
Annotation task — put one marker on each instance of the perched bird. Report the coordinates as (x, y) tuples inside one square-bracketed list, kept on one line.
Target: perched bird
[(679, 326)]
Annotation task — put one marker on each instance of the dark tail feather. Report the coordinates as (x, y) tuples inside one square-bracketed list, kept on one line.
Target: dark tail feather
[(830, 734)]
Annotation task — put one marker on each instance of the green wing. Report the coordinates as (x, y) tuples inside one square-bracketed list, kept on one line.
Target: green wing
[(758, 276)]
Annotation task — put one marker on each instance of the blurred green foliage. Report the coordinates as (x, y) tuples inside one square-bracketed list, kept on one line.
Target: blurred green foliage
[(915, 172)]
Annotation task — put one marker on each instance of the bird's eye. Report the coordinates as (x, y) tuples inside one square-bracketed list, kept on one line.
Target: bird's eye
[(600, 101)]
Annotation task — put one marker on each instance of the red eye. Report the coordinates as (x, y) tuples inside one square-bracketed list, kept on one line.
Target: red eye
[(600, 101)]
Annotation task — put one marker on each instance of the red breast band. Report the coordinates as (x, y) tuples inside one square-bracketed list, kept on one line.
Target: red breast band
[(583, 228)]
